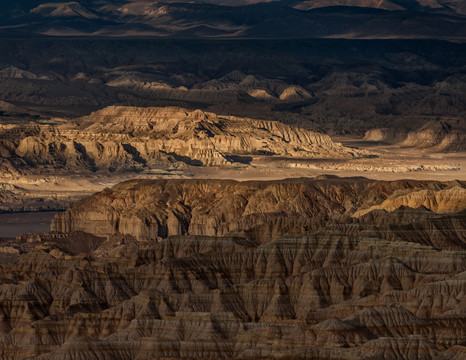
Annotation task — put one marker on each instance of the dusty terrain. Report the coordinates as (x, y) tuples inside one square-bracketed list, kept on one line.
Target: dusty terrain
[(182, 235), (324, 268), (49, 164)]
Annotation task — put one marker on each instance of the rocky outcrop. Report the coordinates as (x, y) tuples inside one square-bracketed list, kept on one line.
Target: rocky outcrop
[(447, 135), (448, 200), (295, 94), (385, 285), (130, 138), (438, 136), (148, 209), (384, 134)]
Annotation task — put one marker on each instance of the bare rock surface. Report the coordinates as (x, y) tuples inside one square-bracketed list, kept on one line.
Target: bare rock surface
[(132, 138), (161, 208), (304, 280)]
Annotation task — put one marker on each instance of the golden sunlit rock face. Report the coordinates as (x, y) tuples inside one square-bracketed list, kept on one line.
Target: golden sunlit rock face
[(148, 209), (130, 138), (206, 269), (233, 179)]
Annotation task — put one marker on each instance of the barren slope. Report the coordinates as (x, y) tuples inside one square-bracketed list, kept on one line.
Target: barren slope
[(130, 138), (302, 281), (160, 208)]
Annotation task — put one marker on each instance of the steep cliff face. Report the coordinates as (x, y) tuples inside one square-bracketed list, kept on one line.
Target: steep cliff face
[(130, 138), (384, 285), (159, 208)]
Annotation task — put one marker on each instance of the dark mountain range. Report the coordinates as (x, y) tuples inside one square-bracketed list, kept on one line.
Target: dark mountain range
[(248, 19), (335, 86)]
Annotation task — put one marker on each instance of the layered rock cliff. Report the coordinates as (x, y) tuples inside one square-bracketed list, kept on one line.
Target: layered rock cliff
[(318, 284), (130, 138), (161, 208)]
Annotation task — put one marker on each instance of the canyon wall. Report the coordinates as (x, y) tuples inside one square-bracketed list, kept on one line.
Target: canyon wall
[(148, 209), (205, 269)]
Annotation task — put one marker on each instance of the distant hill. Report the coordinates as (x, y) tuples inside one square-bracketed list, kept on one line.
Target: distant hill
[(444, 19)]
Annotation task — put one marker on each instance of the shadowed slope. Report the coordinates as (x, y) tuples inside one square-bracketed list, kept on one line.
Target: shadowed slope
[(304, 281)]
